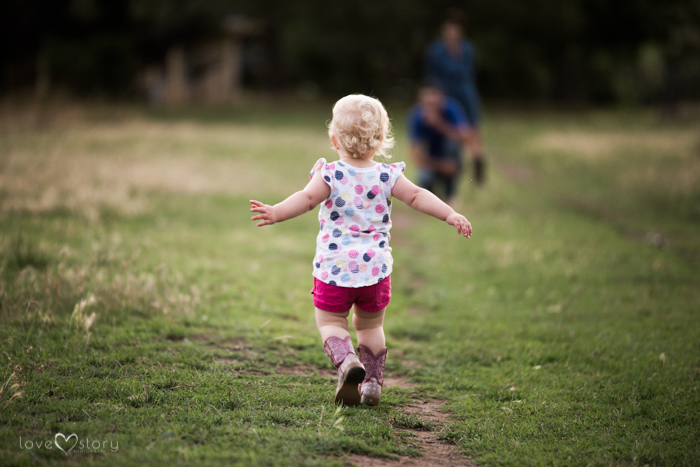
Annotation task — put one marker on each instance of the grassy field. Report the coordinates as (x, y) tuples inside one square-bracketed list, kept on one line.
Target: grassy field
[(140, 309)]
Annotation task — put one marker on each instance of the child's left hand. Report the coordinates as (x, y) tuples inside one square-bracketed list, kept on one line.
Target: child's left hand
[(461, 223), (267, 213)]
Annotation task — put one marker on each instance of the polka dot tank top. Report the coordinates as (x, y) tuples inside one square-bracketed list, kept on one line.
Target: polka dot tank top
[(352, 247)]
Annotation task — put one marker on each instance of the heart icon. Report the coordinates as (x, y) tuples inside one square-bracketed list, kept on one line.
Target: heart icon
[(65, 440)]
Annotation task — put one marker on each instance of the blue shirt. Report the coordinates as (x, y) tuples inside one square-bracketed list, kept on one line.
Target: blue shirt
[(456, 75), (422, 133)]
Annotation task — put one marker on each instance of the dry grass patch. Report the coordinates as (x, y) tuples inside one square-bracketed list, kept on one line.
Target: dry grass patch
[(82, 165), (677, 181), (595, 145), (102, 288)]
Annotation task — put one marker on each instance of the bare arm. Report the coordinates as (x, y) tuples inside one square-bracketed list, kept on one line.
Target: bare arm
[(455, 132), (463, 134), (297, 204), (426, 202), (448, 129)]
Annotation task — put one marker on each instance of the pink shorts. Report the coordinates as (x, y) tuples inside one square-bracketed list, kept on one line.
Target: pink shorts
[(340, 299)]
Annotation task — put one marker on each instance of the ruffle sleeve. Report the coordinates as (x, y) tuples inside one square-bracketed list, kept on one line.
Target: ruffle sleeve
[(322, 166), (396, 169)]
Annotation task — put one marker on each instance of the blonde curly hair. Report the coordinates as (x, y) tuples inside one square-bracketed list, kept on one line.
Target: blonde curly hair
[(361, 127)]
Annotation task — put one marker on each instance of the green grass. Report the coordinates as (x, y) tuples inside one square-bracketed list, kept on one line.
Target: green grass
[(564, 332)]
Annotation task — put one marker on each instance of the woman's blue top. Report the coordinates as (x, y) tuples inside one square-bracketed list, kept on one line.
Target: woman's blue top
[(456, 75)]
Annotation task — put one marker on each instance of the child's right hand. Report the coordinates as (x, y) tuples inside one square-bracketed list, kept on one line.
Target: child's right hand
[(461, 223), (267, 213)]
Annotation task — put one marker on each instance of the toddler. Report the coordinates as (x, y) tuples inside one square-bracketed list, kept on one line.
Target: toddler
[(353, 263)]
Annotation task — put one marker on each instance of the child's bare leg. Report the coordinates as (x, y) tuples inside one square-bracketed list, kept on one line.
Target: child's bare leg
[(370, 330), (331, 324)]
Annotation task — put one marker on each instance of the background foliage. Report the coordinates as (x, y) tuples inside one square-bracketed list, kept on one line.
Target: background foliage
[(628, 51)]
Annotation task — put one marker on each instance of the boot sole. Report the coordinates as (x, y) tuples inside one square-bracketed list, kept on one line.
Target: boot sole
[(348, 393), (368, 400), (355, 374)]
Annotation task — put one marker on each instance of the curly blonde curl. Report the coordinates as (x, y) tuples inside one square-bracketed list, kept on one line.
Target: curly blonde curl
[(361, 127)]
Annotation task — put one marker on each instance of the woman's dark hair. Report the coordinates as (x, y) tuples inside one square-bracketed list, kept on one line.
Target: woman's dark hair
[(454, 17), (431, 83)]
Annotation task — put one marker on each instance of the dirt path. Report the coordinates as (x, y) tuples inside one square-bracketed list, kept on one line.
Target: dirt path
[(435, 453)]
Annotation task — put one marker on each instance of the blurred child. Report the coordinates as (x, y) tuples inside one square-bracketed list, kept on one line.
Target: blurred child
[(353, 263), (438, 129)]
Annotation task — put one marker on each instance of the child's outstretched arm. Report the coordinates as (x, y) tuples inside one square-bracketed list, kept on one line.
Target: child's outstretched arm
[(299, 203), (424, 201)]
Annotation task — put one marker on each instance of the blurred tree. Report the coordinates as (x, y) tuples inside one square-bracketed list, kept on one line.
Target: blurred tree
[(571, 50)]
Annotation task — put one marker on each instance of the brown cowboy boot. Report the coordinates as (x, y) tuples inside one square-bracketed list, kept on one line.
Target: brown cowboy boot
[(371, 387), (350, 370)]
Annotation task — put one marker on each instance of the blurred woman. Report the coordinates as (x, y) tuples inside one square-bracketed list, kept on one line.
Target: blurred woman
[(450, 61)]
